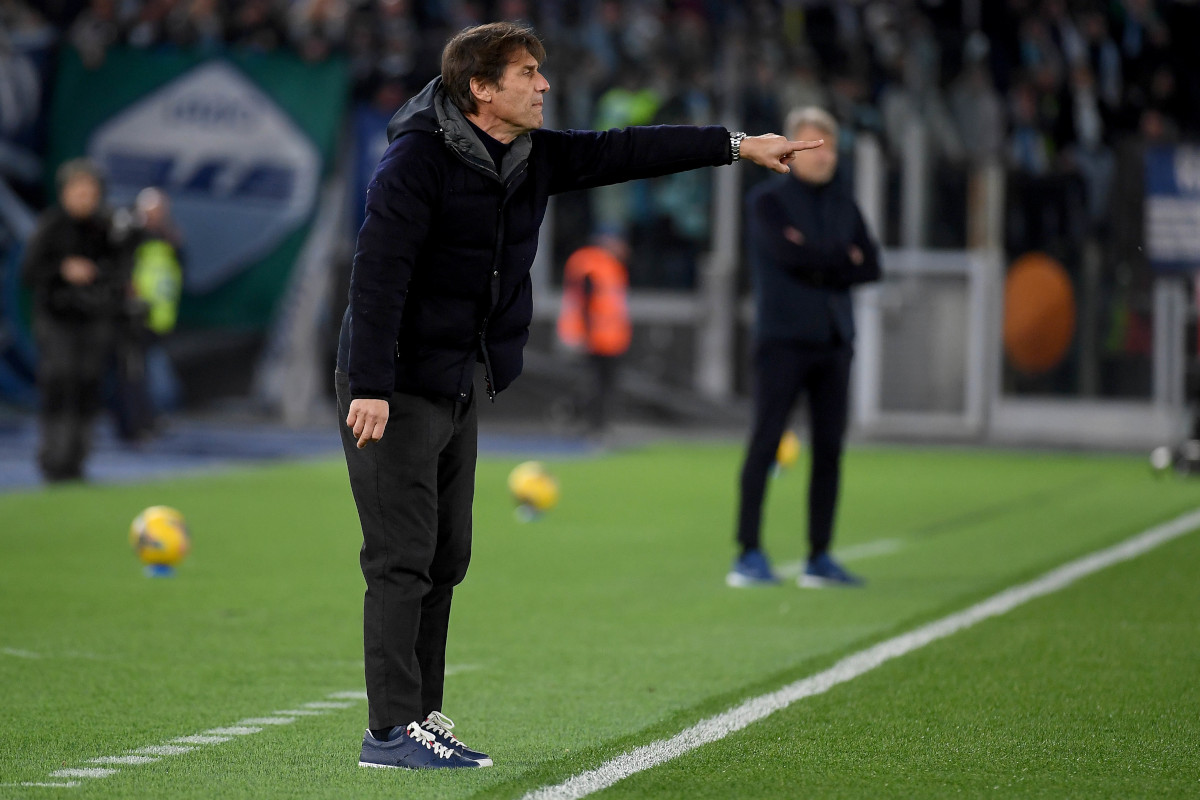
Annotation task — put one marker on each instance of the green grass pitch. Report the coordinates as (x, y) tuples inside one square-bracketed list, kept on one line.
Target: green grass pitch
[(606, 625)]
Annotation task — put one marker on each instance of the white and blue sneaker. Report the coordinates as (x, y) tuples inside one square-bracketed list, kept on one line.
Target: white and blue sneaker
[(410, 747), (751, 569), (823, 571), (440, 726)]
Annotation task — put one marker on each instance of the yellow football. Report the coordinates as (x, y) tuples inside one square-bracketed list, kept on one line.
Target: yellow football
[(533, 487), (789, 450), (159, 536)]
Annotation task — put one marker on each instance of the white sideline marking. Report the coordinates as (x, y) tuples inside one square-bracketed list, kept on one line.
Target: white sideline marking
[(83, 772), (12, 651), (326, 704), (299, 712), (856, 552), (454, 669), (735, 719), (164, 750), (151, 753), (879, 547)]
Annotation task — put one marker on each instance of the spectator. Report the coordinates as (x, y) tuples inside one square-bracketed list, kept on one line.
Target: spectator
[(317, 28), (978, 114), (802, 86), (1029, 146), (94, 31), (629, 102), (20, 90), (1088, 150), (1104, 59), (149, 25), (254, 26), (202, 26)]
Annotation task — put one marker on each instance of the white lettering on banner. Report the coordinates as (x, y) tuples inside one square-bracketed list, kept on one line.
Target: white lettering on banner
[(210, 111), (241, 174), (1187, 169), (1173, 228)]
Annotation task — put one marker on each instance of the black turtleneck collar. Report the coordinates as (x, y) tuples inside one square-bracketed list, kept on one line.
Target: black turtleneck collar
[(496, 149)]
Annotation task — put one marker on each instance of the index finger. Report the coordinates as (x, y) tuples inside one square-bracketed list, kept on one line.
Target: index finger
[(796, 146)]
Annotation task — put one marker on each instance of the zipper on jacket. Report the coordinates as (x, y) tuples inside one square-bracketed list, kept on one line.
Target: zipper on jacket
[(493, 290), (487, 361), (494, 278)]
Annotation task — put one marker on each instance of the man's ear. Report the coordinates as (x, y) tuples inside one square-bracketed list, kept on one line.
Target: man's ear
[(481, 90)]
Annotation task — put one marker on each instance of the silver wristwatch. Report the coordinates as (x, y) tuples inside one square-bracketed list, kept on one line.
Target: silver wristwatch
[(735, 143)]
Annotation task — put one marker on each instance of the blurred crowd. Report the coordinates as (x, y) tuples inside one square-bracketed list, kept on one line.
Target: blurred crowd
[(1048, 87), (1063, 95)]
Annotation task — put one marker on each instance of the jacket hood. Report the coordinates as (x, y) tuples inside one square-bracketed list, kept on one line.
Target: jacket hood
[(431, 111)]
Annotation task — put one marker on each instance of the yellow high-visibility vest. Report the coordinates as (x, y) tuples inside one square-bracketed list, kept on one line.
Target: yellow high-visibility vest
[(158, 280)]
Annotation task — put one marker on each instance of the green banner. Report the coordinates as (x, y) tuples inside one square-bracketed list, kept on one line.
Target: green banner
[(239, 141)]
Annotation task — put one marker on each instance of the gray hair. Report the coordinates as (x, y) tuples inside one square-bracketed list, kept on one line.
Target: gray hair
[(818, 118), (77, 168)]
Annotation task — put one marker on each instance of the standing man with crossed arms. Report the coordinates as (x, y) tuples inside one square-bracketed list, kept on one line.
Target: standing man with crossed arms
[(808, 245), (441, 282)]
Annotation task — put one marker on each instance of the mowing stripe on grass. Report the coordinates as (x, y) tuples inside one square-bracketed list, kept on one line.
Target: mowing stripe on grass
[(718, 727), (153, 753)]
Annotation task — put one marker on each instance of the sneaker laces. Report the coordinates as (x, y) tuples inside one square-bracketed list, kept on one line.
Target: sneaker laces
[(428, 739), (439, 723)]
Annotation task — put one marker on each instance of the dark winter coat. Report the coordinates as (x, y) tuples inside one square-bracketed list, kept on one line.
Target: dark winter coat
[(57, 237), (441, 271), (801, 291)]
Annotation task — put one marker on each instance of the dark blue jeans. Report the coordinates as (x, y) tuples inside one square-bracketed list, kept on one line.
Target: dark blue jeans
[(413, 489), (783, 372)]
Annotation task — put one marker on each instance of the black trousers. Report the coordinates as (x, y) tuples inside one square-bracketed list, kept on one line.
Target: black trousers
[(783, 371), (413, 489), (72, 357), (133, 404), (598, 400)]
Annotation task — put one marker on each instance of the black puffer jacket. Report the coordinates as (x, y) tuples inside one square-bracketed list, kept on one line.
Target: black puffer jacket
[(441, 271), (802, 284), (58, 236)]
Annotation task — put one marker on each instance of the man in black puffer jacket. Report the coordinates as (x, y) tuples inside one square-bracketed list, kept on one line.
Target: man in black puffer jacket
[(71, 265), (440, 281)]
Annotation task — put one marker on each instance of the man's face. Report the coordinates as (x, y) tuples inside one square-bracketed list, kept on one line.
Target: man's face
[(816, 165), (81, 196), (154, 208), (517, 101)]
